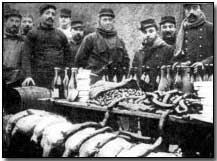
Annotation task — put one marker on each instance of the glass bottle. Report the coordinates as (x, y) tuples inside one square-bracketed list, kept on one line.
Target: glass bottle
[(143, 74), (147, 75), (163, 85), (210, 72), (158, 75), (205, 72), (124, 73), (178, 84), (135, 69), (115, 75), (56, 83), (72, 85), (186, 79), (170, 76), (198, 74), (104, 76), (66, 82)]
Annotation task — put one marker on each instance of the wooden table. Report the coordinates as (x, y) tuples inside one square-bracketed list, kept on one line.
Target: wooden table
[(81, 105)]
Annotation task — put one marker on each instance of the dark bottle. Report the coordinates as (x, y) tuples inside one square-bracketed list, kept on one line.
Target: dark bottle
[(56, 84), (66, 82), (163, 85), (105, 74), (124, 75), (206, 72), (158, 75), (170, 76), (147, 75), (143, 74), (135, 70), (130, 75), (186, 79), (210, 72), (115, 79), (192, 75), (199, 74), (72, 84), (178, 84)]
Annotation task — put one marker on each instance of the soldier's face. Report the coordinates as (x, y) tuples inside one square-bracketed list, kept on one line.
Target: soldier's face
[(27, 23), (149, 35), (13, 24), (64, 21), (77, 33), (107, 22), (48, 17), (192, 12), (168, 30)]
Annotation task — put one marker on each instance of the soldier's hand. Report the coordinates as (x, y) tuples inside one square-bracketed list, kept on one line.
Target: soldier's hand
[(28, 81), (196, 65), (187, 63)]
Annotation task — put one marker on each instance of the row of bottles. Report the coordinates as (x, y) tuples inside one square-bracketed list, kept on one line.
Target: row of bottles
[(183, 77), (62, 88)]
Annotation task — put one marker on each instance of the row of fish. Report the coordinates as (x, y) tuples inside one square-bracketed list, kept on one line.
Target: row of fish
[(88, 139)]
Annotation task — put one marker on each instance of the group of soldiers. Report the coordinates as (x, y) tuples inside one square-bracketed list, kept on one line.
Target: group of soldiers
[(31, 52)]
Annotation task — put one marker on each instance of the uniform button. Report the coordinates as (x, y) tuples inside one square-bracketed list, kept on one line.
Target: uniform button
[(200, 37), (200, 56), (201, 29), (186, 41), (186, 49), (200, 46), (186, 32)]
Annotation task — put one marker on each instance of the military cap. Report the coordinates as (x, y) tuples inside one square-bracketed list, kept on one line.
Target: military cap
[(106, 12), (185, 5), (65, 12), (148, 23), (170, 19), (77, 24), (12, 12), (45, 7)]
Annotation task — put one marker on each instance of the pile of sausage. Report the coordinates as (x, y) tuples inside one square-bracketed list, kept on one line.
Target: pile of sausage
[(135, 100), (89, 139)]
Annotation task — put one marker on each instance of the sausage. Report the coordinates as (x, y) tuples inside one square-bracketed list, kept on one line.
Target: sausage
[(161, 104), (176, 101), (136, 137), (140, 99), (183, 106), (167, 97)]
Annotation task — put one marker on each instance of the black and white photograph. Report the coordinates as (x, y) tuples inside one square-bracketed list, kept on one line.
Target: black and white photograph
[(107, 79)]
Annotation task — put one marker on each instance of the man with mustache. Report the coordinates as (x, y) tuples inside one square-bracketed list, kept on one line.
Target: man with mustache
[(77, 33), (45, 48), (26, 24), (194, 44), (103, 49), (12, 49), (154, 52), (65, 22), (168, 29)]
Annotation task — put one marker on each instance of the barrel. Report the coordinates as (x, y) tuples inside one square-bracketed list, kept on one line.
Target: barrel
[(22, 98)]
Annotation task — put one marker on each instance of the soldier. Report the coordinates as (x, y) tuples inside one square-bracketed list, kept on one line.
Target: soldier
[(194, 44), (168, 29), (26, 24), (65, 22), (12, 50), (155, 52), (45, 48), (103, 48), (77, 33)]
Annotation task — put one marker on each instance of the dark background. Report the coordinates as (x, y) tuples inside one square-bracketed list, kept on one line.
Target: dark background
[(128, 16)]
